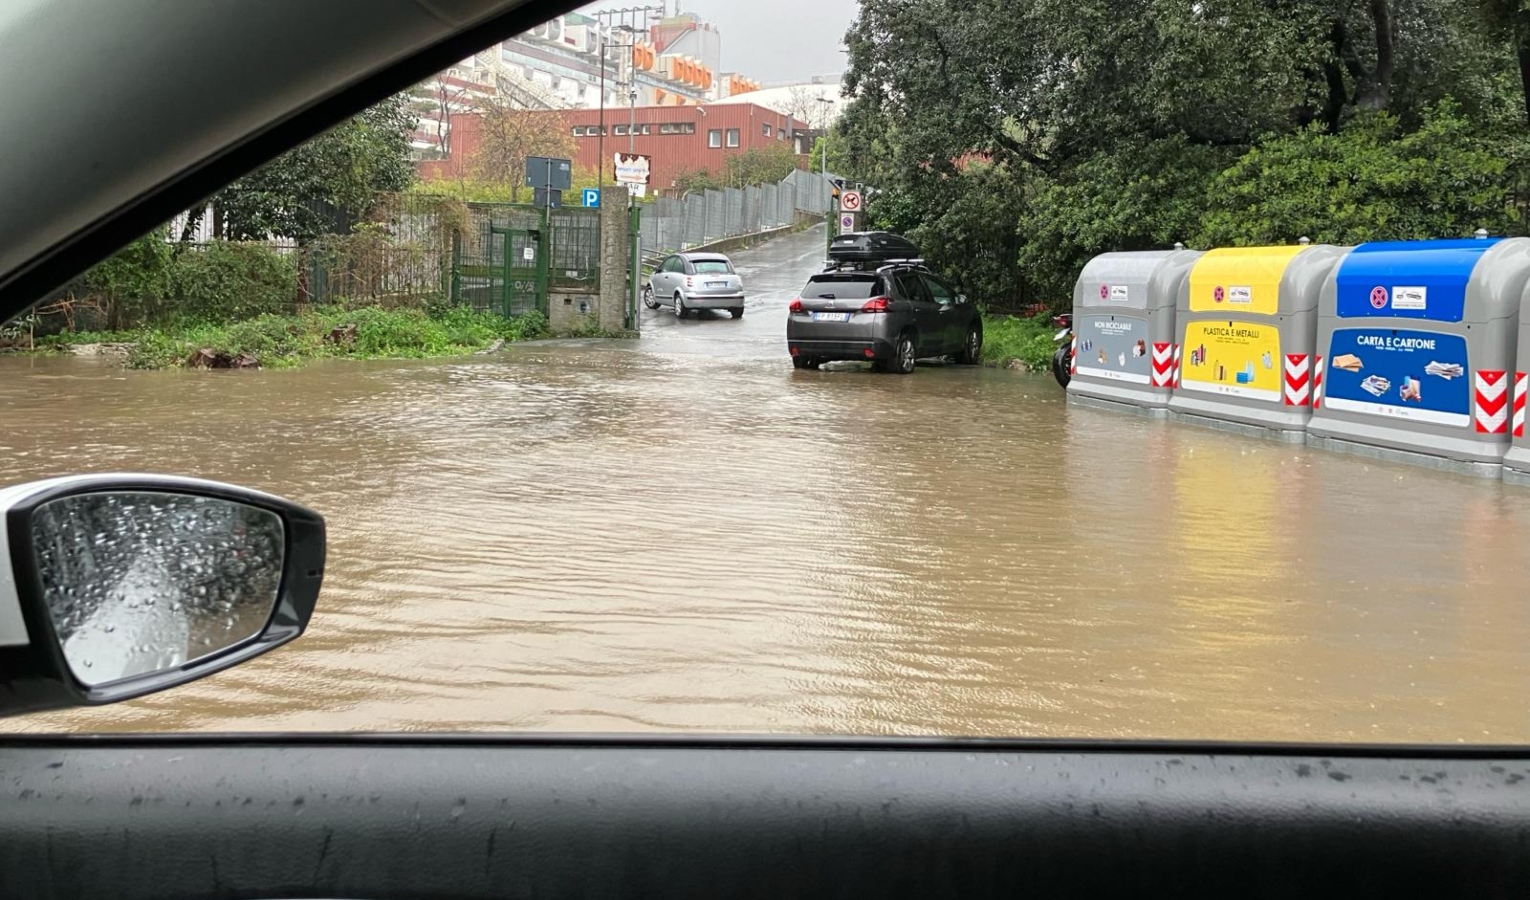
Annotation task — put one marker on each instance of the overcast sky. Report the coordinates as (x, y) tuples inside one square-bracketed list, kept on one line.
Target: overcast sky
[(773, 40)]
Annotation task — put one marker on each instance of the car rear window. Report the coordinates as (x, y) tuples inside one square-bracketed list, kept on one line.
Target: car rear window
[(713, 267), (842, 289)]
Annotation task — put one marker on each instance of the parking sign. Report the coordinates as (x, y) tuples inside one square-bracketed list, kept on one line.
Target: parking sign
[(846, 223), (591, 197)]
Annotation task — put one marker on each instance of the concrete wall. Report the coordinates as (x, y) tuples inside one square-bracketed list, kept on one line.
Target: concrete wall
[(569, 312), (615, 259)]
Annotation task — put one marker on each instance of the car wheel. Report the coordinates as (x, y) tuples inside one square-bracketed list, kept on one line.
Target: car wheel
[(648, 298), (679, 306), (972, 347), (738, 312), (804, 362), (904, 355)]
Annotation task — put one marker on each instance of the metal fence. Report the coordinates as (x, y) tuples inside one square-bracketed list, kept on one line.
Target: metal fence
[(701, 218), (500, 263), (813, 190)]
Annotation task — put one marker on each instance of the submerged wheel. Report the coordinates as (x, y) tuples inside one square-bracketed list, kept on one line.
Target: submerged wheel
[(972, 347), (1062, 364), (904, 355)]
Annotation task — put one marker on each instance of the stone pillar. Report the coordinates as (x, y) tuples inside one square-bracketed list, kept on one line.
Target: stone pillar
[(615, 258)]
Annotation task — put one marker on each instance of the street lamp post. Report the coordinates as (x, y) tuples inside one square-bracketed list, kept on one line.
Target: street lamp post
[(600, 148), (605, 46), (631, 116), (828, 204)]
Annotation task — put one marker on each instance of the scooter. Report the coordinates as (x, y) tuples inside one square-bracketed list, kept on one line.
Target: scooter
[(1062, 360)]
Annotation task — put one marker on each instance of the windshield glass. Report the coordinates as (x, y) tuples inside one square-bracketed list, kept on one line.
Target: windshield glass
[(1268, 488)]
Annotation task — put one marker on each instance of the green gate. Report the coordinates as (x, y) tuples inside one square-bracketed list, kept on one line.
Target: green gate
[(524, 276), (507, 258)]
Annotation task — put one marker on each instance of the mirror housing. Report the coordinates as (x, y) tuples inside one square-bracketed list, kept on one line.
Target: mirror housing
[(211, 574)]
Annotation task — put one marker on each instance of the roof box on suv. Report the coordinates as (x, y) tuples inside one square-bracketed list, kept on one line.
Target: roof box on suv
[(871, 247)]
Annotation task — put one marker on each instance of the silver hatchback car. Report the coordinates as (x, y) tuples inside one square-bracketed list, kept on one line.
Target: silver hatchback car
[(695, 281)]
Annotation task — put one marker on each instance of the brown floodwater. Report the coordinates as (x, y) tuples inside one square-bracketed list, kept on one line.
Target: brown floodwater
[(683, 533)]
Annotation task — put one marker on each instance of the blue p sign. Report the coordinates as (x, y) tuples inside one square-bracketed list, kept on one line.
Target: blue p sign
[(591, 197)]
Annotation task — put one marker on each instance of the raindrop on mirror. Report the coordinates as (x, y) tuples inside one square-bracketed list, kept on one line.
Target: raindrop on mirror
[(106, 559)]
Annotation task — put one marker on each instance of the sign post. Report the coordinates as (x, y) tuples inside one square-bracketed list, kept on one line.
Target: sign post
[(632, 169), (846, 222), (548, 177), (850, 201)]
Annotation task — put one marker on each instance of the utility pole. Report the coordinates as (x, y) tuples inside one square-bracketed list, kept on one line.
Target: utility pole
[(630, 66), (828, 202), (600, 151)]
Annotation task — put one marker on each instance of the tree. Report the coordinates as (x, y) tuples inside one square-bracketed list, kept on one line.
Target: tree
[(509, 135), (1373, 181), (1511, 20), (695, 182), (804, 105), (1084, 126), (440, 98), (760, 165), (336, 176)]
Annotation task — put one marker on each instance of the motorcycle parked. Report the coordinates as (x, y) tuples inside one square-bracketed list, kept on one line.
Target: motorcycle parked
[(1062, 360)]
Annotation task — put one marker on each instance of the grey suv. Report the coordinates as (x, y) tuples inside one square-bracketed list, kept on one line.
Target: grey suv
[(892, 316)]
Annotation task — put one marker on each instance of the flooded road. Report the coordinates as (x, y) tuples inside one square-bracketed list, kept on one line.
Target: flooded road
[(685, 533)]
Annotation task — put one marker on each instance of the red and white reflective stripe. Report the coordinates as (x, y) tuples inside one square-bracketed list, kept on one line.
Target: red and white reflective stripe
[(1317, 383), (1491, 407), (1298, 379), (1073, 358), (1175, 381), (1520, 383), (1163, 365)]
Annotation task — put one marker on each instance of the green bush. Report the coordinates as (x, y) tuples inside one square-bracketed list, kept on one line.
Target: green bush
[(1138, 198), (135, 282), (1025, 341), (157, 350), (975, 238), (230, 282), (282, 341), (1369, 182), (526, 327)]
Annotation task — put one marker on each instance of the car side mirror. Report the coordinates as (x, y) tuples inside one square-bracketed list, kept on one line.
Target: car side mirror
[(961, 298), (117, 586)]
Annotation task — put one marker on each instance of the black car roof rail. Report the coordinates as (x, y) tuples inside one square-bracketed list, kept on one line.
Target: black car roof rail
[(857, 265)]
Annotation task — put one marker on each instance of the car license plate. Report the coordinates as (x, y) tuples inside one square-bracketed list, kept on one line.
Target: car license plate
[(831, 317), (717, 284)]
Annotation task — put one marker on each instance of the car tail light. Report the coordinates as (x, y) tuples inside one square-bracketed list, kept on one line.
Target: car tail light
[(875, 304), (869, 353), (689, 281), (796, 306)]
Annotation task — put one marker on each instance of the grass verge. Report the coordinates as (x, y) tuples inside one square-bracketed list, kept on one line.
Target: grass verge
[(1018, 343), (274, 341)]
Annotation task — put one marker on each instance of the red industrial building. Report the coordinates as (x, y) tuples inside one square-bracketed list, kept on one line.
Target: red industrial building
[(679, 139)]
